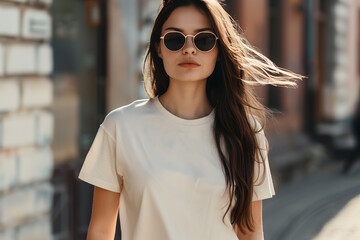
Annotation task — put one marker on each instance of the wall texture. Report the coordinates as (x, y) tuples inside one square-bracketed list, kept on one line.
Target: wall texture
[(26, 125)]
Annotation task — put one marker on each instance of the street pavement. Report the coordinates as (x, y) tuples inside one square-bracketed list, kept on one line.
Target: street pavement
[(346, 225), (324, 204)]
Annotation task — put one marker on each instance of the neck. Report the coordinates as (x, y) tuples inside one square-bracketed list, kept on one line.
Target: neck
[(186, 100)]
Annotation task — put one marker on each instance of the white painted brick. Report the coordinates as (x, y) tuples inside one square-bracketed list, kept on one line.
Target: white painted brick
[(145, 33), (340, 77), (25, 203), (340, 41), (40, 229), (149, 10), (34, 164), (44, 127), (9, 21), (47, 2), (341, 11), (43, 198), (140, 59), (20, 1), (36, 24), (36, 92), (16, 206), (20, 59), (44, 59), (9, 95), (340, 26), (2, 59), (8, 234), (340, 59), (8, 169), (17, 130)]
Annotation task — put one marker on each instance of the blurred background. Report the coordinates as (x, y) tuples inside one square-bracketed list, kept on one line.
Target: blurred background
[(64, 64)]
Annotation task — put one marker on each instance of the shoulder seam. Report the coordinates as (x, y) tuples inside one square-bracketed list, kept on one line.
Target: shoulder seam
[(107, 133)]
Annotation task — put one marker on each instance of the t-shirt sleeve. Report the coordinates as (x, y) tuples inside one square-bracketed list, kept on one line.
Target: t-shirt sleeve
[(263, 184), (100, 166)]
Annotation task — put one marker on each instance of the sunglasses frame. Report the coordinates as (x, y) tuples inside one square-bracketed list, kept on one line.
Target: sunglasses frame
[(193, 37)]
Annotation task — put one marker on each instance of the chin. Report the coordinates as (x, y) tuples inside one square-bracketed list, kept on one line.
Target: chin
[(191, 79)]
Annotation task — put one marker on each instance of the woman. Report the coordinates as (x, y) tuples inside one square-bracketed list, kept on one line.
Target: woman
[(191, 161)]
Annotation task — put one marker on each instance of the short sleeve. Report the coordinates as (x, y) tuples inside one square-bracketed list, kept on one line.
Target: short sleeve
[(99, 167), (263, 184)]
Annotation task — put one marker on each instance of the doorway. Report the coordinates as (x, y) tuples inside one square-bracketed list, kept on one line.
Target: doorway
[(79, 76)]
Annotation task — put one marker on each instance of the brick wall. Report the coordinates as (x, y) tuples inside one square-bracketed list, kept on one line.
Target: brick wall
[(340, 92), (26, 124)]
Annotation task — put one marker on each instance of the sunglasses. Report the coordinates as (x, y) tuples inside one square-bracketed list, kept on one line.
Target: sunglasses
[(203, 41)]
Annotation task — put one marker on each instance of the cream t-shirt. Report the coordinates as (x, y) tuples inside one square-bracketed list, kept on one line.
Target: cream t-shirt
[(168, 172)]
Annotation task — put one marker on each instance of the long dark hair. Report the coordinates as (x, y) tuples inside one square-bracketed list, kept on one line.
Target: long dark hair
[(228, 89)]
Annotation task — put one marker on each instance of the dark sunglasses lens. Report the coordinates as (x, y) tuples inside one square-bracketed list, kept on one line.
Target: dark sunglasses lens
[(205, 41), (174, 41)]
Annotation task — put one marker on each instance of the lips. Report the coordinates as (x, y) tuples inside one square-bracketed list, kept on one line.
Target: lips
[(189, 63)]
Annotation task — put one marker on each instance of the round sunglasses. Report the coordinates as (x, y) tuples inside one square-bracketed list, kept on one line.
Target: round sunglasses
[(203, 41)]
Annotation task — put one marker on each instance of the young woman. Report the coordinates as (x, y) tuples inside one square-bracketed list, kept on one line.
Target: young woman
[(191, 161)]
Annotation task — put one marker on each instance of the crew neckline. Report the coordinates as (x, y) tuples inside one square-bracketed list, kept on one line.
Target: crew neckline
[(198, 121)]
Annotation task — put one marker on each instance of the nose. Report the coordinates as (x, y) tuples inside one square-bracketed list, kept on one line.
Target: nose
[(189, 47)]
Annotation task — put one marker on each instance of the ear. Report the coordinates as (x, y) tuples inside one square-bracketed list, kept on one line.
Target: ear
[(158, 50)]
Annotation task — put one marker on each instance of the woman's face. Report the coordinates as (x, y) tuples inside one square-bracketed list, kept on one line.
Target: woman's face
[(189, 20)]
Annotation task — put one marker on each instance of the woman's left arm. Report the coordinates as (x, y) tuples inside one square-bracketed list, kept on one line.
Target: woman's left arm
[(258, 233)]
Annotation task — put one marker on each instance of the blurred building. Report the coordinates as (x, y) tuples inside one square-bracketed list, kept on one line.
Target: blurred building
[(26, 124), (338, 80), (319, 39)]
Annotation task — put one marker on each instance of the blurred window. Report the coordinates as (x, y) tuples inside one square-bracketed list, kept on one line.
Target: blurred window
[(66, 24), (79, 58), (320, 53), (274, 93), (79, 45), (358, 45), (229, 7)]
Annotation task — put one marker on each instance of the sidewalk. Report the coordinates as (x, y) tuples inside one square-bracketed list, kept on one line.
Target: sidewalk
[(346, 225), (322, 205)]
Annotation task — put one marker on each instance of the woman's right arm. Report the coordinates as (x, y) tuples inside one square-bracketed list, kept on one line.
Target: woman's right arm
[(104, 215)]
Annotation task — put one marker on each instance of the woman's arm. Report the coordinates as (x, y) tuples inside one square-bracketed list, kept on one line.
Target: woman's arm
[(258, 233), (104, 215)]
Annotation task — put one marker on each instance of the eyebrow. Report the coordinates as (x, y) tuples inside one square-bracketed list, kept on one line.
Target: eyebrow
[(197, 30)]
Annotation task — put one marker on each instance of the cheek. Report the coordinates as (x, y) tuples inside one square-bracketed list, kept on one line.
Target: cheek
[(211, 60), (168, 63)]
